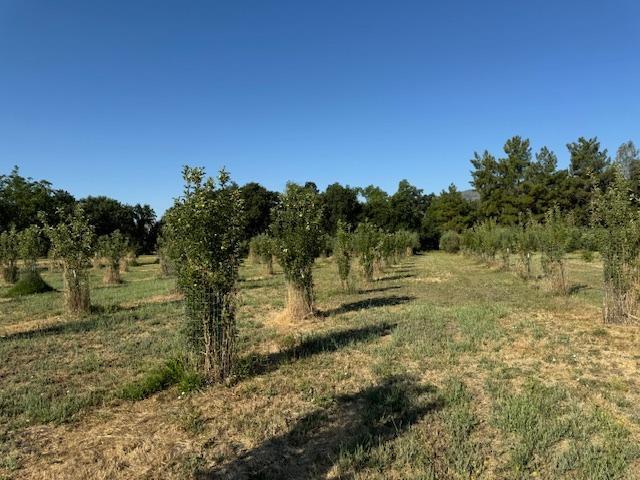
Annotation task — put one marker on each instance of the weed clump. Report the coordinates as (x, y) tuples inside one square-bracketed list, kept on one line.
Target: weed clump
[(29, 283)]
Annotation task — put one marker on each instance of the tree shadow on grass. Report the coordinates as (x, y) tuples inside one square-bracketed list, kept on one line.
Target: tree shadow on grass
[(253, 365), (99, 316), (577, 288), (395, 277), (381, 289), (367, 303), (355, 422)]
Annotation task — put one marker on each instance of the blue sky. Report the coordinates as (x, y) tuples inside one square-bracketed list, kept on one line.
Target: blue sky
[(113, 97)]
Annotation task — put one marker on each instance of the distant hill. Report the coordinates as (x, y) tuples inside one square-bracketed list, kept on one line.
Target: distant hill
[(470, 195)]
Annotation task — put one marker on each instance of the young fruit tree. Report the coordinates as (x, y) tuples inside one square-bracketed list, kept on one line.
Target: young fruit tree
[(525, 243), (31, 247), (203, 230), (72, 243), (9, 253), (554, 237), (616, 219), (450, 242), (162, 250), (366, 240), (263, 248), (297, 228), (343, 252), (112, 248)]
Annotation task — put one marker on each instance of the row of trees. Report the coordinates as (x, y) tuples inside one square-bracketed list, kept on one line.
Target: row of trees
[(613, 230), (25, 202), (203, 235)]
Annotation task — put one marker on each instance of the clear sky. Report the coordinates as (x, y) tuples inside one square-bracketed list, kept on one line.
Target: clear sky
[(113, 97)]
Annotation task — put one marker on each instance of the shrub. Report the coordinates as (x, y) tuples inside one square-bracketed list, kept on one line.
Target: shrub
[(554, 238), (617, 215), (366, 240), (407, 242), (72, 243), (9, 244), (112, 248), (388, 247), (487, 241), (204, 233), (29, 283), (505, 238), (31, 246), (263, 248), (343, 252), (450, 242), (162, 250), (129, 259), (297, 228)]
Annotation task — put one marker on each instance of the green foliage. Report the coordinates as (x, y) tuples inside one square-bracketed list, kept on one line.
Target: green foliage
[(616, 214), (343, 253), (447, 211), (9, 253), (204, 230), (554, 239), (340, 204), (258, 203), (31, 246), (72, 243), (263, 248), (526, 243), (506, 242), (136, 222), (72, 239), (366, 240), (297, 227), (450, 242), (173, 372), (21, 200), (29, 283), (113, 248), (406, 242)]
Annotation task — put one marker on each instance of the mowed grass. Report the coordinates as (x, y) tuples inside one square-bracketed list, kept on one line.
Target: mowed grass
[(441, 368)]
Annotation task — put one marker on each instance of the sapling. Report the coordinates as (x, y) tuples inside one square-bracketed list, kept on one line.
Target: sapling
[(297, 228), (343, 252), (112, 248), (72, 242), (366, 239), (554, 238), (616, 219), (203, 230), (263, 249), (525, 243), (9, 253), (450, 242)]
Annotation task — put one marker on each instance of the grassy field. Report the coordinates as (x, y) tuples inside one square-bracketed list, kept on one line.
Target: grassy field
[(441, 368)]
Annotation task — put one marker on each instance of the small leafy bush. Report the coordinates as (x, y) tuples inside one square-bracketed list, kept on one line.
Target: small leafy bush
[(72, 243), (297, 228), (9, 253), (450, 242), (203, 230)]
